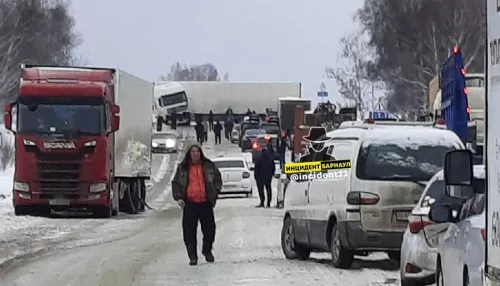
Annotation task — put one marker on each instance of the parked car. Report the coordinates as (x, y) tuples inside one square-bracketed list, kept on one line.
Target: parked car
[(418, 250), (461, 245), (368, 210), (235, 174), (165, 142), (235, 133), (246, 139)]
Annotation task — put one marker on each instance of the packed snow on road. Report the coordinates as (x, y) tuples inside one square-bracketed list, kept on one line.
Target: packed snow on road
[(148, 249)]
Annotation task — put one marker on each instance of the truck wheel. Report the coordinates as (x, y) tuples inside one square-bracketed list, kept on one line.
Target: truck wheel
[(341, 257), (159, 123), (131, 199), (22, 210), (142, 185)]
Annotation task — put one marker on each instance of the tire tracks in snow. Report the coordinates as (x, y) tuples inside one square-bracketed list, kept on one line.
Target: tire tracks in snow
[(55, 234)]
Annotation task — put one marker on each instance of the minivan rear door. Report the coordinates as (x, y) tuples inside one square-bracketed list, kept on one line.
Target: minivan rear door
[(395, 175)]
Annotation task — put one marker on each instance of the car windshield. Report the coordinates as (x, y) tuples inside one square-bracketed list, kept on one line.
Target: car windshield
[(271, 128), (164, 136), (254, 132), (61, 116), (399, 162), (229, 164), (170, 99)]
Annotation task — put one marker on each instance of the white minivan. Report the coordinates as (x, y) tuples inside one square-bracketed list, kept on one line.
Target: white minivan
[(367, 210)]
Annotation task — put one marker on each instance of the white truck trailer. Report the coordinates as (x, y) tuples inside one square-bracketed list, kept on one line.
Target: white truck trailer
[(217, 97)]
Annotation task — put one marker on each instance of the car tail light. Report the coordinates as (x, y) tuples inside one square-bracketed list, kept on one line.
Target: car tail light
[(483, 233), (417, 223), (362, 198), (246, 175), (255, 145)]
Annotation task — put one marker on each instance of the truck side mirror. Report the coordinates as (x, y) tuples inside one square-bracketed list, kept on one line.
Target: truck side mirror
[(115, 118), (7, 116), (459, 173)]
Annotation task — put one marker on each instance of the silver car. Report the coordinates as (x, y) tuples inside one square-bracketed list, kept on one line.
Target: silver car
[(418, 251), (460, 259), (165, 142)]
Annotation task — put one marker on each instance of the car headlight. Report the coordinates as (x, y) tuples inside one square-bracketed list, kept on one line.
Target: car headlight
[(170, 143), (154, 144)]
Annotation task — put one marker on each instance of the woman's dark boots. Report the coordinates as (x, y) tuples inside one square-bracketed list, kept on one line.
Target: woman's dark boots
[(193, 255)]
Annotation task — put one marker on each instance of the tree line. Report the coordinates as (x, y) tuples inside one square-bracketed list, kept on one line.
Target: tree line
[(401, 44)]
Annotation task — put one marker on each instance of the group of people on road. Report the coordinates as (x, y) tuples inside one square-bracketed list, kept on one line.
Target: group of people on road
[(203, 127)]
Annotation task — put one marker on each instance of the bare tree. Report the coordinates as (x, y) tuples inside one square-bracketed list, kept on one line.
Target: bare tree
[(351, 72), (34, 32), (413, 37), (204, 72)]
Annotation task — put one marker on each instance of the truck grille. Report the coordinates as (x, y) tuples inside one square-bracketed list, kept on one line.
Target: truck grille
[(59, 173)]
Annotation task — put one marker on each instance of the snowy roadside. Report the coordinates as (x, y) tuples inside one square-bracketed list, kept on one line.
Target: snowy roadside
[(27, 236)]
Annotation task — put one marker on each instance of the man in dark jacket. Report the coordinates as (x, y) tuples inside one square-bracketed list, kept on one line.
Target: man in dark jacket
[(228, 127), (263, 174), (196, 186), (199, 129), (218, 133), (173, 121), (211, 120)]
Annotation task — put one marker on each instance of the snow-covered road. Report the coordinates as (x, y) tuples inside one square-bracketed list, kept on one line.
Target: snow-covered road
[(148, 250)]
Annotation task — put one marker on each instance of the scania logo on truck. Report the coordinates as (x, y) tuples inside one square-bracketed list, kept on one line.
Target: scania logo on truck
[(59, 145)]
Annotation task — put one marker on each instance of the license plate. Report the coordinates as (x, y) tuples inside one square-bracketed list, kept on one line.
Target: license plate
[(230, 186), (402, 216), (59, 202)]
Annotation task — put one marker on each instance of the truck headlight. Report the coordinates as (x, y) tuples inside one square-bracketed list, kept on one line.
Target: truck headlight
[(28, 143), (170, 143), (99, 187), (21, 187), (90, 144), (154, 144)]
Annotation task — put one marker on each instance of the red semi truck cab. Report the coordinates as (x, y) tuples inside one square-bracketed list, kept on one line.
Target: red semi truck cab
[(64, 121)]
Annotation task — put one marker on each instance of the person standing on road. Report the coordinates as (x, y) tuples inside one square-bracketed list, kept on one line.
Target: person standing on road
[(211, 120), (263, 174), (205, 131), (218, 133), (173, 122), (199, 128), (196, 186)]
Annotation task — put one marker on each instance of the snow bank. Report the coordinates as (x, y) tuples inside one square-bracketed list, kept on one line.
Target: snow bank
[(6, 178)]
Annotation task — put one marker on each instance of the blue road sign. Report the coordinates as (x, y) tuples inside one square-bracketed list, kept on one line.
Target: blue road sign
[(322, 93), (379, 115)]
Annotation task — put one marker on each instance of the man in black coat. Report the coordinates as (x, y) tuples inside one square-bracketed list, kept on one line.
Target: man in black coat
[(218, 133), (211, 120), (263, 174), (200, 129)]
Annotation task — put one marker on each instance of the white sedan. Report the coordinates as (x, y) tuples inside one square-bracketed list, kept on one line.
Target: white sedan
[(236, 176)]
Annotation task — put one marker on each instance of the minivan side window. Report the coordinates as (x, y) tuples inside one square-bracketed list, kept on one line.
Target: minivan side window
[(396, 162)]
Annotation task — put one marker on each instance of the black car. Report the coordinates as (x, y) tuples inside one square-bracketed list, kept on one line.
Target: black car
[(247, 125), (248, 135)]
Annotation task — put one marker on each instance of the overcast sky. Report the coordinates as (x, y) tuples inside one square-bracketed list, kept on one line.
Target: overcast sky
[(258, 40)]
